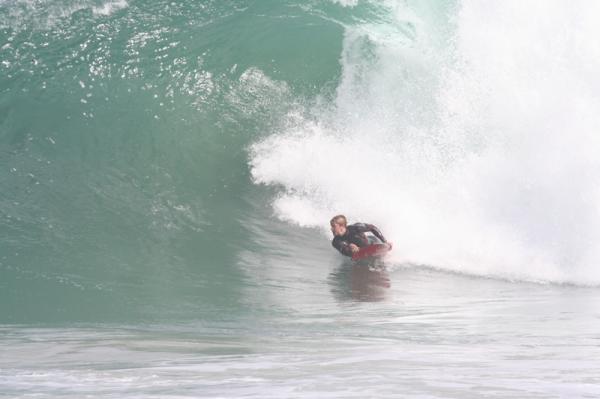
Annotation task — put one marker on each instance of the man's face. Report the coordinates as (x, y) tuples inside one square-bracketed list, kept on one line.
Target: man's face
[(338, 229)]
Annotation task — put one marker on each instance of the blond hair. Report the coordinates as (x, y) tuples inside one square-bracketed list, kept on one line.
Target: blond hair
[(338, 219)]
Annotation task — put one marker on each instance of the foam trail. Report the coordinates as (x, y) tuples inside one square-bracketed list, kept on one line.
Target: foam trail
[(477, 154)]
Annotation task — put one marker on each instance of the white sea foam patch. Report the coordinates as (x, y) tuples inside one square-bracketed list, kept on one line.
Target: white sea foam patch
[(480, 159), (109, 7)]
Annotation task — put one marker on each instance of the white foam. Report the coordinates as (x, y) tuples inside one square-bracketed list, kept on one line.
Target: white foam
[(109, 7), (478, 154)]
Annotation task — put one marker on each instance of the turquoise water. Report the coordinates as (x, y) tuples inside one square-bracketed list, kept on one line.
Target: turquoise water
[(168, 170), (124, 141)]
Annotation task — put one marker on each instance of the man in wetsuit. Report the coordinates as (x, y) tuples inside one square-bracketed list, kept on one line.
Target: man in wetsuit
[(349, 239)]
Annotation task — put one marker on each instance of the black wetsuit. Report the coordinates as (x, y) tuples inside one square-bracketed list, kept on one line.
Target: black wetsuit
[(355, 234)]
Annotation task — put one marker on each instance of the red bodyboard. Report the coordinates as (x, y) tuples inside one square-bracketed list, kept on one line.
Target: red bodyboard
[(371, 251)]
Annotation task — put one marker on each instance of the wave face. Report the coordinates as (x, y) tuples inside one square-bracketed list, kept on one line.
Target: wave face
[(124, 171), (468, 132)]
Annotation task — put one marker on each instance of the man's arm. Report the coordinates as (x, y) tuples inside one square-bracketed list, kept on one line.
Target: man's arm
[(376, 232), (342, 246), (364, 227)]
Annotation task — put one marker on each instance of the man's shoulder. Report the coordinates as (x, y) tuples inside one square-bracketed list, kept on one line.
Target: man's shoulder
[(336, 241), (337, 238), (357, 226)]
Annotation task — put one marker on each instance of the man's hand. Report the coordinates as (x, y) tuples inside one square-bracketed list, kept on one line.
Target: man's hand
[(354, 248)]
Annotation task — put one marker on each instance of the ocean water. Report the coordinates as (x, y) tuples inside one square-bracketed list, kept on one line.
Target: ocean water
[(168, 170)]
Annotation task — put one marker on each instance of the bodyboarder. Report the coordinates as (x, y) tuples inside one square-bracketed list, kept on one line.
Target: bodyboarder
[(348, 239)]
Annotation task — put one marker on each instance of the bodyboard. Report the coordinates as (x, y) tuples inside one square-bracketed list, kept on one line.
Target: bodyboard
[(371, 251)]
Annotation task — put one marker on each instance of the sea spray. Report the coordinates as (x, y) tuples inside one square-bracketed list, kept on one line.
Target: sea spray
[(476, 153)]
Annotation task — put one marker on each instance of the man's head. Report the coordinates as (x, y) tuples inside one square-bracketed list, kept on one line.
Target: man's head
[(338, 225)]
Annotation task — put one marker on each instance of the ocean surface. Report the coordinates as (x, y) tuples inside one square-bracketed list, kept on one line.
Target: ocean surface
[(168, 170)]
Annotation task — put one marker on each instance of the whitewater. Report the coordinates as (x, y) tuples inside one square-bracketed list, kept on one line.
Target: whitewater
[(477, 151), (168, 171)]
